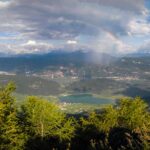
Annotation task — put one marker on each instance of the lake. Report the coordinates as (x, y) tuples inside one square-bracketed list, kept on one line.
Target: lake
[(86, 99)]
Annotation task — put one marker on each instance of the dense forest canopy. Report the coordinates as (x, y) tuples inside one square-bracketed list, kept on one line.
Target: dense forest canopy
[(40, 125)]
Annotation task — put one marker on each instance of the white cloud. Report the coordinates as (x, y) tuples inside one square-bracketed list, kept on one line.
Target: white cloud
[(30, 47), (139, 27), (72, 42), (4, 4), (30, 42), (108, 43)]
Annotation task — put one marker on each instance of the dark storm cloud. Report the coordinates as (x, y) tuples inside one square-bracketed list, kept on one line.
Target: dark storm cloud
[(75, 20), (70, 18), (136, 6)]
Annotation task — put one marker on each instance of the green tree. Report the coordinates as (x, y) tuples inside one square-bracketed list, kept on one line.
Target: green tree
[(11, 137), (134, 114), (96, 127), (126, 125), (44, 120)]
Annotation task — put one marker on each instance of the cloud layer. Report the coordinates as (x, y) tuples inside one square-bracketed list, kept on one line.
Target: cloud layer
[(96, 24)]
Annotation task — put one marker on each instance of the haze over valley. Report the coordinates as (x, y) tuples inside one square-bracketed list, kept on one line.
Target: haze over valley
[(77, 73)]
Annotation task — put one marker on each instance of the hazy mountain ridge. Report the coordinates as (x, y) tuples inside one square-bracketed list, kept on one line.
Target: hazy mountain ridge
[(59, 72), (39, 62)]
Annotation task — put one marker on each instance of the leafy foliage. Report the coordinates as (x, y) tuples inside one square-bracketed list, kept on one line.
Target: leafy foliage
[(126, 126), (43, 120), (40, 125), (11, 136)]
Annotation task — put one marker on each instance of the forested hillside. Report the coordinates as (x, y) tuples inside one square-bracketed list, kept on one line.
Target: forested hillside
[(38, 124)]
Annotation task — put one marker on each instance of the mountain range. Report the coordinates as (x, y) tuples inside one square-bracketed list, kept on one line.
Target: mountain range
[(34, 62)]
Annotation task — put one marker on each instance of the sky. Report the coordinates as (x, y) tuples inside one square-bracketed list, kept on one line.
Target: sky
[(41, 26)]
